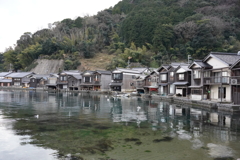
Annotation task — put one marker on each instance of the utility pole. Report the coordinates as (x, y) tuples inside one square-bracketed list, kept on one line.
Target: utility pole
[(189, 59)]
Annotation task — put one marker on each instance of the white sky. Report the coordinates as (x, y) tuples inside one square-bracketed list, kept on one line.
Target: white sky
[(19, 16)]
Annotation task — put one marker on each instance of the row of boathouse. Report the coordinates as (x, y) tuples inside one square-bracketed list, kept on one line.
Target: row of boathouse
[(215, 78)]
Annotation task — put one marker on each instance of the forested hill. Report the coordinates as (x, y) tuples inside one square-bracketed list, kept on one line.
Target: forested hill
[(151, 32)]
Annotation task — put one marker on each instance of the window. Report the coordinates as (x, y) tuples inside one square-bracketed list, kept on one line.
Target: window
[(63, 78), (87, 79), (207, 74), (117, 76), (196, 74), (163, 77), (97, 77), (196, 91), (16, 83), (149, 79), (181, 76), (217, 77)]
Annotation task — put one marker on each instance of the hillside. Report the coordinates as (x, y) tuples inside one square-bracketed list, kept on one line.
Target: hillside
[(149, 32), (45, 66), (99, 62)]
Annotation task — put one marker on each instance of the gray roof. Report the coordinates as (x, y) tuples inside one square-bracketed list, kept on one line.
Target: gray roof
[(72, 72), (104, 72), (19, 74), (201, 64), (90, 72), (3, 74), (180, 83), (184, 67), (126, 71), (77, 76), (163, 66), (39, 76), (229, 58), (6, 80)]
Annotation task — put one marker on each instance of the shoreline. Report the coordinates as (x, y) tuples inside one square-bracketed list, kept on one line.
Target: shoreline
[(205, 104)]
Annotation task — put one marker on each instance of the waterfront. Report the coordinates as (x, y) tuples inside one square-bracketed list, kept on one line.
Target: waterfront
[(42, 125)]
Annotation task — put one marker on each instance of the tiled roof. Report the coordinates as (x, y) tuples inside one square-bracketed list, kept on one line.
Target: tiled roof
[(6, 80), (19, 74), (203, 64), (3, 74), (104, 72), (127, 71), (77, 76), (72, 72), (229, 58)]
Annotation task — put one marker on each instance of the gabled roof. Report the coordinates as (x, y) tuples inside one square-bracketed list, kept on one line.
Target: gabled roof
[(227, 58), (140, 69), (174, 66), (123, 70), (154, 71), (3, 74), (90, 72), (6, 80), (184, 67), (19, 74), (104, 72), (39, 76), (72, 72), (166, 67), (77, 76), (200, 64)]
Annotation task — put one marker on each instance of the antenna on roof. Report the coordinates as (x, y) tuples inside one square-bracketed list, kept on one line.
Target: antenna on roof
[(238, 53)]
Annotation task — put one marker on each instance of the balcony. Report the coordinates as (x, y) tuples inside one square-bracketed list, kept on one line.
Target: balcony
[(216, 80), (96, 82)]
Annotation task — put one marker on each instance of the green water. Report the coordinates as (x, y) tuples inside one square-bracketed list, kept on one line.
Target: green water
[(74, 126)]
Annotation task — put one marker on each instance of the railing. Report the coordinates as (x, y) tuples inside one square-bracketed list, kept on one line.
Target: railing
[(96, 82), (217, 80), (139, 84)]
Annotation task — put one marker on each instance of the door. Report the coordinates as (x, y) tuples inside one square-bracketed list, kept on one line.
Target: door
[(222, 92)]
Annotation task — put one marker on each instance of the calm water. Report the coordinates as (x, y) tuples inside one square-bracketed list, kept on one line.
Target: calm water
[(64, 126)]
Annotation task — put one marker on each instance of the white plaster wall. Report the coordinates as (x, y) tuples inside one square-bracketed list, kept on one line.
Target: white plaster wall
[(216, 63), (214, 92), (196, 97), (181, 70), (179, 91), (228, 92), (161, 90), (172, 88)]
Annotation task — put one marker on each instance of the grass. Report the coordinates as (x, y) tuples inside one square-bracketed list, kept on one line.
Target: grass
[(98, 62)]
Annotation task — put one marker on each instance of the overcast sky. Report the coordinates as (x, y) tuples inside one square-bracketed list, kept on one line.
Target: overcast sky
[(19, 16)]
